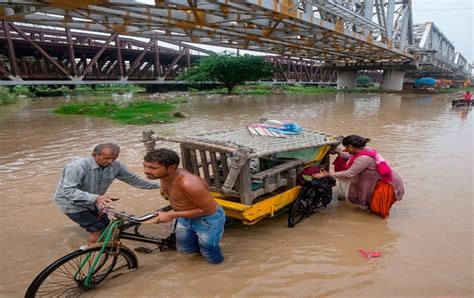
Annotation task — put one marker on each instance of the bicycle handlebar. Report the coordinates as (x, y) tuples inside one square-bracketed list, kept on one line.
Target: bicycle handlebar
[(132, 218)]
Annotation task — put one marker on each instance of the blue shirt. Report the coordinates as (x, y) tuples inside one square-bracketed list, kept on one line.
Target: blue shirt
[(83, 180)]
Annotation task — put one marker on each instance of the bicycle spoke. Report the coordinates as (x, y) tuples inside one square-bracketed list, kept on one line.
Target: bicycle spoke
[(62, 292), (67, 279), (80, 271)]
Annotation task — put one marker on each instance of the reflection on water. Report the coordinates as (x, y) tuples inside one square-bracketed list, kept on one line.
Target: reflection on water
[(426, 243), (464, 112), (366, 107)]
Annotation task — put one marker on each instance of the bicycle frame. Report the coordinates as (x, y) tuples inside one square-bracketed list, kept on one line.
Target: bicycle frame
[(116, 231)]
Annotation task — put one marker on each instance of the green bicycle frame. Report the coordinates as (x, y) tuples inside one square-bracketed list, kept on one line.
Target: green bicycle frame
[(107, 234)]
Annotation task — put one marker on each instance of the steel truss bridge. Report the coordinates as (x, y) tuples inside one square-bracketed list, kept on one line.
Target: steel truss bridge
[(309, 37), (45, 55)]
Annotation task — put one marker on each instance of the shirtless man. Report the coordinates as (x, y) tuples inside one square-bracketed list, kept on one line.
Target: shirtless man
[(200, 219)]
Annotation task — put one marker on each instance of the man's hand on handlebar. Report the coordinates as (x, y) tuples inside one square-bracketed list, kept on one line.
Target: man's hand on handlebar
[(164, 217), (103, 201)]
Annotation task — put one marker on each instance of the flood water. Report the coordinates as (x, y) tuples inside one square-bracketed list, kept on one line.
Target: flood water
[(426, 243)]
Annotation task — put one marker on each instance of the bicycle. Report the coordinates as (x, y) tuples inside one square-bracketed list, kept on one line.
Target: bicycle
[(84, 269), (314, 194)]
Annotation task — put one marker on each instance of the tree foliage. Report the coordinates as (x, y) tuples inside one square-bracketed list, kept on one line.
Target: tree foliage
[(363, 81), (229, 70)]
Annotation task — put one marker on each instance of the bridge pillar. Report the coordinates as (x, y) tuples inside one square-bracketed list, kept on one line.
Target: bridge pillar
[(392, 80), (346, 79)]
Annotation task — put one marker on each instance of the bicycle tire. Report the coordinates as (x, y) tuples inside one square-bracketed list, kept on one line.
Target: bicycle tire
[(58, 278), (302, 207)]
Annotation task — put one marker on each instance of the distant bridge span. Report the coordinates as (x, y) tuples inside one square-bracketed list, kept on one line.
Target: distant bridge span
[(345, 35), (42, 56)]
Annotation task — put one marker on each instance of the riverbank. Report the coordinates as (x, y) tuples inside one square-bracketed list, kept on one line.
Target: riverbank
[(12, 95), (182, 96)]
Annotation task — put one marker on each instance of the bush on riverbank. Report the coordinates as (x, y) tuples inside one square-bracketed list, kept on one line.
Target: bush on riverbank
[(270, 89), (15, 93), (6, 97), (134, 113), (108, 88), (72, 89), (301, 89), (453, 90)]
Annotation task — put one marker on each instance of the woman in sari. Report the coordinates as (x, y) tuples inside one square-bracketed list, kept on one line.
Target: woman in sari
[(372, 182)]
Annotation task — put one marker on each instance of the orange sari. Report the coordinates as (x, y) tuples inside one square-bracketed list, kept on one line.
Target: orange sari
[(382, 199)]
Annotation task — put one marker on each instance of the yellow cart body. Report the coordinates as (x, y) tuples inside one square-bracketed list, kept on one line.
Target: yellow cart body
[(250, 176)]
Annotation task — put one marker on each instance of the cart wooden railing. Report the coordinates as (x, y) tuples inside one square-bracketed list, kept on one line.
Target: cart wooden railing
[(227, 168)]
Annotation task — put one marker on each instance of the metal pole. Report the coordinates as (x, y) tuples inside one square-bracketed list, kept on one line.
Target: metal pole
[(70, 48), (368, 9), (389, 18), (404, 29), (157, 61), (119, 56), (11, 49)]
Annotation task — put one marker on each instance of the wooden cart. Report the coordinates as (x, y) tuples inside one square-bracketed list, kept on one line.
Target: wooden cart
[(251, 176)]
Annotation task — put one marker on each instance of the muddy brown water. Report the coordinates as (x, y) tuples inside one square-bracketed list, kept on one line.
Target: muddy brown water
[(426, 244)]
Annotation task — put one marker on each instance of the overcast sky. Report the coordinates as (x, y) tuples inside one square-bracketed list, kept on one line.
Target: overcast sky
[(453, 17)]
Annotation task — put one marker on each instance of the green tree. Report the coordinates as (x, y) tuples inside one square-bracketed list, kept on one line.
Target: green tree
[(363, 81), (229, 70)]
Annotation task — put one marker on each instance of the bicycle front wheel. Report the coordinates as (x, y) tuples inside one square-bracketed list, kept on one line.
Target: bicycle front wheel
[(302, 207), (66, 278)]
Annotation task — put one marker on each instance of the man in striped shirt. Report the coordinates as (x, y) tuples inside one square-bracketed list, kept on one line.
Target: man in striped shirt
[(84, 181)]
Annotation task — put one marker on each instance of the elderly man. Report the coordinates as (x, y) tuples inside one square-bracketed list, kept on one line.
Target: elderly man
[(80, 193)]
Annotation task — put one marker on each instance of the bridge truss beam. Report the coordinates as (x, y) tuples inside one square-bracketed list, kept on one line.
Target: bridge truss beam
[(437, 54), (49, 54), (70, 57), (334, 32)]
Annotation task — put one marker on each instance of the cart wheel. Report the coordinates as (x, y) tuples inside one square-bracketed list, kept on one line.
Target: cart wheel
[(302, 207)]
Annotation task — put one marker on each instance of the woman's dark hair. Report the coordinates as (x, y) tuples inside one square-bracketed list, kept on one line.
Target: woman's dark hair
[(355, 140), (162, 156)]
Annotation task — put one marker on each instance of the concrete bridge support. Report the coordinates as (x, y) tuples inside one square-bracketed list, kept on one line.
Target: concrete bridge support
[(392, 80), (346, 79)]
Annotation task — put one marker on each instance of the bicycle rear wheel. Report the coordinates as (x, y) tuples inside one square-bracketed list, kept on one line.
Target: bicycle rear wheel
[(302, 207), (66, 278)]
